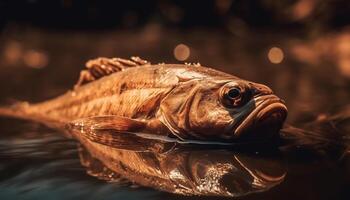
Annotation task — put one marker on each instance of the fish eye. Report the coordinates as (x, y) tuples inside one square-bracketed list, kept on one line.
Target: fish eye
[(234, 93)]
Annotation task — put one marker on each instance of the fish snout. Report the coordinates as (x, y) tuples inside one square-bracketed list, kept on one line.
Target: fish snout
[(260, 89), (265, 120)]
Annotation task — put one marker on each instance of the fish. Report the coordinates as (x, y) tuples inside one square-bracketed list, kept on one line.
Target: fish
[(182, 101)]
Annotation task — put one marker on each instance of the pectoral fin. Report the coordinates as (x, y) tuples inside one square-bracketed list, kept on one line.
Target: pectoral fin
[(107, 130), (120, 132), (108, 122)]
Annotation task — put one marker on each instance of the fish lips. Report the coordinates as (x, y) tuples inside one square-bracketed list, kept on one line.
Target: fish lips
[(265, 120)]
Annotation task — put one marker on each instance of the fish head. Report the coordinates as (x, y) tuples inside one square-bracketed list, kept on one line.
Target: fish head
[(222, 110)]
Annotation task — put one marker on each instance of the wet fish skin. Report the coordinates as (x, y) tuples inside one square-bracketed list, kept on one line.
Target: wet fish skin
[(185, 101)]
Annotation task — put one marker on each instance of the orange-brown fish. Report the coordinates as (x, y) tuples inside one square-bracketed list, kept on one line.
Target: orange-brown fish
[(182, 101)]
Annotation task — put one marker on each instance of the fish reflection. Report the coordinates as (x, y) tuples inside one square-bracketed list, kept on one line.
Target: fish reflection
[(180, 169)]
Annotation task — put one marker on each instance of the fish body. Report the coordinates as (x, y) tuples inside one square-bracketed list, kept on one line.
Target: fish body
[(184, 101), (134, 93)]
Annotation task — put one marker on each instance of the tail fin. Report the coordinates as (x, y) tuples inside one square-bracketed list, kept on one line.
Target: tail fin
[(23, 110), (17, 110)]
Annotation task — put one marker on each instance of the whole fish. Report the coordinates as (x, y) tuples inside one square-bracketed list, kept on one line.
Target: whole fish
[(181, 101)]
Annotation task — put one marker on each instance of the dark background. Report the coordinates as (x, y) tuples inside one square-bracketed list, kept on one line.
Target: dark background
[(44, 44), (80, 14)]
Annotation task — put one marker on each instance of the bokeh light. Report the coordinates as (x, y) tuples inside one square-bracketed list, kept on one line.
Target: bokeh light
[(303, 9), (342, 50), (182, 52), (223, 6), (275, 55), (35, 59), (12, 52)]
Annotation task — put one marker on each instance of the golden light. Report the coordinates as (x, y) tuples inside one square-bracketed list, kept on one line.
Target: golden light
[(223, 5), (35, 59), (275, 55), (305, 54), (321, 117), (13, 52), (344, 67), (343, 54), (182, 52), (303, 9)]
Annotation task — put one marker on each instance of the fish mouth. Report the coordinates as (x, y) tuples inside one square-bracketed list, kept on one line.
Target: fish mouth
[(265, 120)]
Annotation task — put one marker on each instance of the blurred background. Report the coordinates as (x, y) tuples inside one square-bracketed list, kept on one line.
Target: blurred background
[(300, 48)]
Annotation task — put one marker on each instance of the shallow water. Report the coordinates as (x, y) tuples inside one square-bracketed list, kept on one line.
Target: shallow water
[(38, 162)]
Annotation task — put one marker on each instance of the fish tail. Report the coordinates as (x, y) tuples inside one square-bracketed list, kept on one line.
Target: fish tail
[(26, 111), (16, 110)]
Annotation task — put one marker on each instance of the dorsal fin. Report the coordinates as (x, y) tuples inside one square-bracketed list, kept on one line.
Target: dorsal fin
[(99, 67)]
